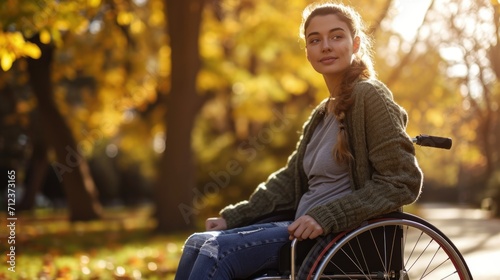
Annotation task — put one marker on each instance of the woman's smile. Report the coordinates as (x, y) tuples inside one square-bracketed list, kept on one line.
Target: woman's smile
[(328, 60)]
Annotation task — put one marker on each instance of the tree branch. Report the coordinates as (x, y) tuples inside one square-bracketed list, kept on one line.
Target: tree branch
[(404, 61)]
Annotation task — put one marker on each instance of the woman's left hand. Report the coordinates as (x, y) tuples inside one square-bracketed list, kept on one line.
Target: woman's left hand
[(304, 227)]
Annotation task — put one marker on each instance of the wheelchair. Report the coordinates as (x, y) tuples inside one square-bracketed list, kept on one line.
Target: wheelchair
[(396, 245)]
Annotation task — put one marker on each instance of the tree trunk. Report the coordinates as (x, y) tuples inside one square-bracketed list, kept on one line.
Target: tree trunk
[(175, 208), (71, 167), (36, 174)]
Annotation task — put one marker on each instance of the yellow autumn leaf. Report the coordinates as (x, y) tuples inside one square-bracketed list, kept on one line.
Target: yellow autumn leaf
[(32, 50), (24, 107), (16, 39), (94, 3), (45, 37), (56, 36), (124, 18), (137, 26), (7, 60), (115, 77), (157, 18)]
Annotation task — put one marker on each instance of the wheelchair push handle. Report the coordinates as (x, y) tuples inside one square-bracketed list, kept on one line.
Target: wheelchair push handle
[(433, 141)]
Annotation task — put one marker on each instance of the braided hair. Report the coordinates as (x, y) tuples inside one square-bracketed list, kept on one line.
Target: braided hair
[(361, 68)]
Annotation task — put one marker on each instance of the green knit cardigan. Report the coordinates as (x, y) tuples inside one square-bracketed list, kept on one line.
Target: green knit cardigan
[(384, 174)]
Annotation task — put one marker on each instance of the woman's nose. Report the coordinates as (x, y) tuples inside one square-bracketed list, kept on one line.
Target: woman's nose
[(326, 46)]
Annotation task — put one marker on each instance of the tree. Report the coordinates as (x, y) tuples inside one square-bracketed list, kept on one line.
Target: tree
[(70, 165), (473, 66), (176, 174), (447, 80)]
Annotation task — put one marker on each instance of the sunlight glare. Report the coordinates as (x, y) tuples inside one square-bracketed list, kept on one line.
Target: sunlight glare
[(140, 2), (159, 142), (86, 270), (95, 26), (120, 271), (84, 259), (152, 266), (137, 274), (101, 264), (409, 16), (172, 248), (111, 150)]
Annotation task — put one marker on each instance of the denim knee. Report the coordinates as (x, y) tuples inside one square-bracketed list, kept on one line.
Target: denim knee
[(210, 248), (196, 240)]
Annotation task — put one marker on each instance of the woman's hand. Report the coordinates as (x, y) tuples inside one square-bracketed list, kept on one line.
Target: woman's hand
[(304, 227), (215, 224)]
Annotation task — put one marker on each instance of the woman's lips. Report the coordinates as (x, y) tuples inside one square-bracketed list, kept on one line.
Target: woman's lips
[(328, 60)]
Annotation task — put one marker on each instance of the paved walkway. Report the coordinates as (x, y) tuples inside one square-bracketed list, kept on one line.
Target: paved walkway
[(475, 234)]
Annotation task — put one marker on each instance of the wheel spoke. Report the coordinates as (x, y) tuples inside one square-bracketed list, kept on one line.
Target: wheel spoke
[(377, 250)]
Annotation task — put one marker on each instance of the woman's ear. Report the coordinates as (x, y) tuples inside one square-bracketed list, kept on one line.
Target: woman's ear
[(356, 44)]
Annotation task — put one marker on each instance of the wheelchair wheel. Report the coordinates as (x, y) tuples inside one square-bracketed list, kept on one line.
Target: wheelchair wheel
[(396, 246)]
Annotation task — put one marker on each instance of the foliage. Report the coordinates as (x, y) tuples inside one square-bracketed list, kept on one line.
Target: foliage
[(13, 46), (100, 94), (111, 72), (22, 19), (119, 247)]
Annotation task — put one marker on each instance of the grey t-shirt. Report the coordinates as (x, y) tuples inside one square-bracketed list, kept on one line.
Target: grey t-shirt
[(328, 180)]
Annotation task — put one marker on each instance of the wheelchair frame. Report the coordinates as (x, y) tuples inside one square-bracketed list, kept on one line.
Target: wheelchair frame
[(386, 247), (417, 240)]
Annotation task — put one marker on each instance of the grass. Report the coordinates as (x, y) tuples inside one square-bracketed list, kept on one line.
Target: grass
[(121, 246)]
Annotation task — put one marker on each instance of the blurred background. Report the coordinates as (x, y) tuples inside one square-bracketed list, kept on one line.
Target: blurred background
[(175, 109)]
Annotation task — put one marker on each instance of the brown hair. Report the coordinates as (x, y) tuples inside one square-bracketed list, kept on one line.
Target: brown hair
[(361, 67)]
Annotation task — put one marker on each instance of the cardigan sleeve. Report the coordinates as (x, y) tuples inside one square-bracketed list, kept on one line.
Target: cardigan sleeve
[(384, 173), (276, 193)]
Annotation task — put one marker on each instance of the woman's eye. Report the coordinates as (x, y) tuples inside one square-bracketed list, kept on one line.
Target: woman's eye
[(313, 41)]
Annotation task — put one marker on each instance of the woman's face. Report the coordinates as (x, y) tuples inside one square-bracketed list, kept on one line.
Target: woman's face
[(330, 45)]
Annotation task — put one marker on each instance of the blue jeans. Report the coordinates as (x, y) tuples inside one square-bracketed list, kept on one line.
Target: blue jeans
[(233, 253)]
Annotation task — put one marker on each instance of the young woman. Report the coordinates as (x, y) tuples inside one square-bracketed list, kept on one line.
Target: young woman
[(353, 161)]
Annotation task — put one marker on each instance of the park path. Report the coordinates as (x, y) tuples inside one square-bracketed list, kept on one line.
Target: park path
[(475, 234)]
